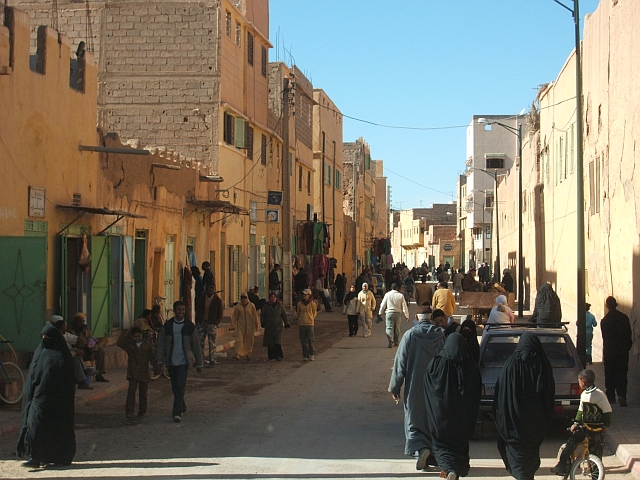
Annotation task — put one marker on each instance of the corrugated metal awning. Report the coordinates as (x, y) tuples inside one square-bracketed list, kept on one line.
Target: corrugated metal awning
[(217, 206), (82, 210)]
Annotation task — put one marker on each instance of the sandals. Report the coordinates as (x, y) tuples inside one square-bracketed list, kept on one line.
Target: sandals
[(236, 357)]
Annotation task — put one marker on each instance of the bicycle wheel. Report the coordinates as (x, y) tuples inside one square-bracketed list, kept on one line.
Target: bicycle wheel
[(11, 383), (590, 468)]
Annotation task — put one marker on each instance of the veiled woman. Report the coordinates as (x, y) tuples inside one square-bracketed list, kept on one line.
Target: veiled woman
[(452, 391), (523, 405), (47, 422), (273, 318), (470, 333)]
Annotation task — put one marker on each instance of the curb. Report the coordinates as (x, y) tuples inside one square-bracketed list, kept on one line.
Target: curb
[(628, 453)]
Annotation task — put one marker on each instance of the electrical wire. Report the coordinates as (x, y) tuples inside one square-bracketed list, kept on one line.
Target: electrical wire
[(449, 194)]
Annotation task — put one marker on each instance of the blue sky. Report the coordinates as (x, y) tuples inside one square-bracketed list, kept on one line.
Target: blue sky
[(425, 64)]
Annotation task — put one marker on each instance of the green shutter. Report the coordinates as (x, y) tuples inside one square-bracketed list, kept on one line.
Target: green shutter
[(100, 318), (240, 133)]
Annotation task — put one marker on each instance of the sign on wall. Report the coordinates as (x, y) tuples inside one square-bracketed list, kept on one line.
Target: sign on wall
[(37, 198), (274, 197), (447, 247), (273, 216)]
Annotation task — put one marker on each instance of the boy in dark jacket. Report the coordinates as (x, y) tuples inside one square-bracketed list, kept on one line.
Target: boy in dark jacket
[(140, 353)]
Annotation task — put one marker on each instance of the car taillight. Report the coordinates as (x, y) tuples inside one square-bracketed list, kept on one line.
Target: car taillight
[(483, 390), (575, 389)]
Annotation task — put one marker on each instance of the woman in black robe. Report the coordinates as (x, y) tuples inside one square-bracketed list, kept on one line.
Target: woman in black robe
[(452, 391), (47, 421), (470, 333), (523, 406)]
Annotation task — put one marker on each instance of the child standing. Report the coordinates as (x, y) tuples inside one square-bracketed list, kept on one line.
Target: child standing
[(140, 353), (594, 411)]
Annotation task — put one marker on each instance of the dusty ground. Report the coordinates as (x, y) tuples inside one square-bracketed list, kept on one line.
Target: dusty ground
[(223, 388)]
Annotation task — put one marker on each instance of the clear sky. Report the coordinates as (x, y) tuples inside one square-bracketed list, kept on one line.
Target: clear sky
[(424, 64)]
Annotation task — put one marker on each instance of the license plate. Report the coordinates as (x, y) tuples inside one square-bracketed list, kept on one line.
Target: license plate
[(565, 402), (489, 389)]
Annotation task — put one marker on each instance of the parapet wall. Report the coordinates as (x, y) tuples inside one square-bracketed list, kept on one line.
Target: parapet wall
[(49, 74)]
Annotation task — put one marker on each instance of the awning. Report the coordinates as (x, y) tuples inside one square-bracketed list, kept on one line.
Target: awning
[(81, 211), (217, 206)]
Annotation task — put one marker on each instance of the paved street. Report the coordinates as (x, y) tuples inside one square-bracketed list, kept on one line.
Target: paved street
[(331, 418)]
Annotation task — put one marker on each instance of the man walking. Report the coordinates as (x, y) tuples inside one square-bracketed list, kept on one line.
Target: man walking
[(207, 277), (417, 347), (178, 346), (444, 300), (395, 306), (366, 305), (306, 311), (616, 343), (208, 316), (274, 280)]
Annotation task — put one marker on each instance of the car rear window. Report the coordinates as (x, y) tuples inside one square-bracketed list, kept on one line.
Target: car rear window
[(500, 347)]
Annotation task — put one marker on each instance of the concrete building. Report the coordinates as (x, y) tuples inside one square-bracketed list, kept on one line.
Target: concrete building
[(329, 172), (411, 242), (193, 78), (142, 216), (491, 152), (609, 49), (381, 212), (359, 199)]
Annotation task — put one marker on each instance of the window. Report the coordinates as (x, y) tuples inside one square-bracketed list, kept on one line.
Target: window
[(329, 173), (238, 34), (228, 23), (263, 150), (300, 177), (263, 66), (338, 182), (573, 152), (229, 125), (494, 163), (241, 132), (308, 183), (249, 48), (487, 232), (253, 211), (249, 142), (562, 171)]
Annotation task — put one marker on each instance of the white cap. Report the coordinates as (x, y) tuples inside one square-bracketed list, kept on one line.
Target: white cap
[(56, 318)]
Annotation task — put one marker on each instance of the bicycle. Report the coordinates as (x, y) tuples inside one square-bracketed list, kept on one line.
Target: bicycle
[(11, 378), (586, 463)]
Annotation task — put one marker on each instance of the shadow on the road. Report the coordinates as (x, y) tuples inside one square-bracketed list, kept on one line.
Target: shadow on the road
[(242, 476)]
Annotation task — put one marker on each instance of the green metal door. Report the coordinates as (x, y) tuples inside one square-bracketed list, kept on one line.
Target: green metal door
[(23, 261), (140, 276), (127, 283), (63, 274), (100, 318)]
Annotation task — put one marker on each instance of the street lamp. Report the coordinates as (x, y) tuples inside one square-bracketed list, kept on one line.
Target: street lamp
[(518, 133), (493, 175), (580, 263)]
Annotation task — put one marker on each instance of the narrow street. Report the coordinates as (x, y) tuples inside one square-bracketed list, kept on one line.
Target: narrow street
[(331, 418)]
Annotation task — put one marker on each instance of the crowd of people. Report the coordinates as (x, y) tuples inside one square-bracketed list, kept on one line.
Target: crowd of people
[(436, 363), (437, 366)]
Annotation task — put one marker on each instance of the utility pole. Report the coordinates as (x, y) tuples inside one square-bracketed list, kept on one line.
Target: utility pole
[(286, 198)]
